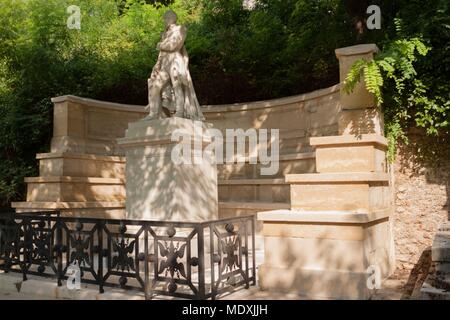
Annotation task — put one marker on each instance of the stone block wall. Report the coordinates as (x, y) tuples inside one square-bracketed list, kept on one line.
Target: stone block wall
[(422, 196)]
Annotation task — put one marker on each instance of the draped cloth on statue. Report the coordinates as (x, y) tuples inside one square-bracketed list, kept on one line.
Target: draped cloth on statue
[(191, 105), (170, 84)]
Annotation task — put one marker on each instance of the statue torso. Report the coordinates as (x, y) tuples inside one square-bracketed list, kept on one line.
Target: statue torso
[(176, 58)]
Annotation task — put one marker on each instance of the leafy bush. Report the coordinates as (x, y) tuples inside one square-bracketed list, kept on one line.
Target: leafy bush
[(279, 48), (410, 76), (109, 58)]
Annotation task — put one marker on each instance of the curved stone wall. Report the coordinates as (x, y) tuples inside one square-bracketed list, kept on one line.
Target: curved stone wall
[(84, 146), (89, 126)]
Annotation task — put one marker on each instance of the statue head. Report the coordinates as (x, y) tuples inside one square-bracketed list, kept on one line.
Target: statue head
[(170, 17)]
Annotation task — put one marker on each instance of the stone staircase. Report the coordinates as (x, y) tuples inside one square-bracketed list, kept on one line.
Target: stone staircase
[(90, 184), (77, 184), (243, 190), (437, 284), (337, 234), (84, 173), (94, 186)]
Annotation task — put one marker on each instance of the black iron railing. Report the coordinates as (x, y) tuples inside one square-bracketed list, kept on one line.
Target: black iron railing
[(180, 259)]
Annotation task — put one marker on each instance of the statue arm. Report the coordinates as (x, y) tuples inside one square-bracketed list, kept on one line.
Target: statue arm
[(175, 42)]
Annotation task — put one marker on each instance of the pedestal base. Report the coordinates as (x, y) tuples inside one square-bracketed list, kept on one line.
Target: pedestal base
[(328, 254), (157, 187)]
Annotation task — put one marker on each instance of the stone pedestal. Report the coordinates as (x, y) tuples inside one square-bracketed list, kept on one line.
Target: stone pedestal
[(338, 231), (324, 254), (360, 113), (158, 186), (337, 237), (347, 153), (357, 122), (360, 98)]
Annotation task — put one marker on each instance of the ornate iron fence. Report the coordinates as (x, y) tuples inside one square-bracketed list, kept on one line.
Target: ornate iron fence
[(180, 259)]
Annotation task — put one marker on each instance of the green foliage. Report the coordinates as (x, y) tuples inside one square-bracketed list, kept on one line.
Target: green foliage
[(279, 48), (109, 58), (395, 63), (410, 75)]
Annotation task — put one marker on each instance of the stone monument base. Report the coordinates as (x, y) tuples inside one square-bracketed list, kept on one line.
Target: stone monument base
[(325, 254), (336, 240), (160, 185)]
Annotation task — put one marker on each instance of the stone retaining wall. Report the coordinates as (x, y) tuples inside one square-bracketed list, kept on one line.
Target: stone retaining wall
[(422, 196)]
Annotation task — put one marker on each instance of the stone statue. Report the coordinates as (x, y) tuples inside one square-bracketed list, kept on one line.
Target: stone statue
[(170, 86)]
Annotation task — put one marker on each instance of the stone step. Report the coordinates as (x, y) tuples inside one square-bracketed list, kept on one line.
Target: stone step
[(233, 209), (314, 282), (442, 268), (325, 254), (81, 165), (75, 189), (443, 282), (288, 164), (347, 153), (254, 190), (251, 207), (102, 210), (440, 251), (236, 209), (429, 292), (445, 226), (350, 191)]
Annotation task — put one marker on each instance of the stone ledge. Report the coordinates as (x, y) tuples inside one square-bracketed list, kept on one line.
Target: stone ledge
[(245, 182), (206, 109), (160, 132), (254, 205), (297, 156), (66, 179), (155, 141), (292, 216), (374, 139), (360, 49), (95, 210), (440, 251), (428, 292), (282, 157), (67, 205), (342, 154), (100, 104), (302, 234), (445, 226), (56, 155), (345, 177), (271, 103)]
